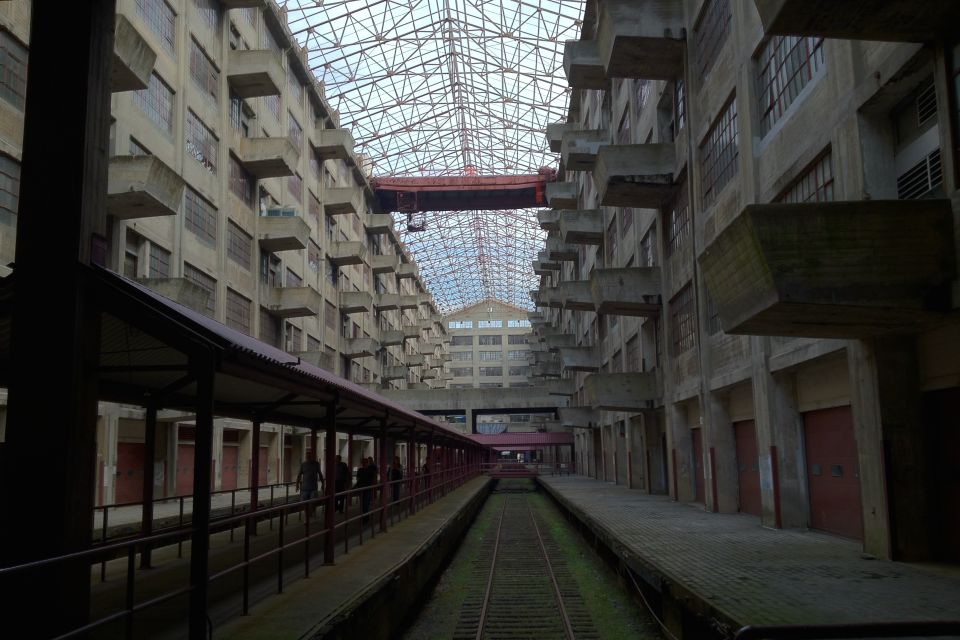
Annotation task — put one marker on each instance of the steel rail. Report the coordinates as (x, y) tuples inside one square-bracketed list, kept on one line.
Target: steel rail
[(567, 625), (493, 567)]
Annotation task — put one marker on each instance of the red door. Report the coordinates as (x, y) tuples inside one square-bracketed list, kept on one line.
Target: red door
[(262, 476), (942, 419), (184, 469), (228, 468), (129, 472), (833, 474), (698, 495), (748, 466)]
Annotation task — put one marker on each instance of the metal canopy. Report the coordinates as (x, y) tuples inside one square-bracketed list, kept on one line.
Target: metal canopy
[(449, 88)]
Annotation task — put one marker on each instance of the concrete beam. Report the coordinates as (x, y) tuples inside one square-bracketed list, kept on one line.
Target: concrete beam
[(832, 270), (411, 331), (142, 187), (562, 195), (346, 252), (632, 291), (356, 302), (293, 302), (583, 66), (579, 417), (415, 360), (133, 58), (582, 227), (394, 372), (411, 303), (641, 39), (525, 398), (635, 175), (545, 268), (633, 391), (269, 157), (579, 148), (254, 73), (342, 201), (282, 233)]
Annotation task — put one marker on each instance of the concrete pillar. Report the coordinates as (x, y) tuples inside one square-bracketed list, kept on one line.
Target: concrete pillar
[(149, 453), (679, 454), (200, 518), (217, 453), (255, 464), (720, 447), (330, 460)]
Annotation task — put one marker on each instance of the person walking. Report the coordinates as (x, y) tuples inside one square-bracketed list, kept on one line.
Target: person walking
[(341, 482), (309, 481), (396, 474)]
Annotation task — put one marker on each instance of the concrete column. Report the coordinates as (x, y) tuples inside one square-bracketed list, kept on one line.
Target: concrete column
[(329, 509), (149, 453), (217, 459), (679, 454), (255, 464), (200, 521), (720, 448)]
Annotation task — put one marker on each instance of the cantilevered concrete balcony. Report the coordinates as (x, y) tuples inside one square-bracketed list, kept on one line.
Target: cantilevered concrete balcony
[(882, 20), (580, 358), (255, 72), (142, 187), (292, 302), (633, 291), (358, 347), (534, 316), (425, 324), (415, 360), (241, 4), (409, 302), (430, 374), (549, 219), (575, 295), (426, 347), (562, 387), (320, 359), (395, 372), (583, 66), (282, 233), (269, 157), (560, 251), (436, 362), (186, 292), (378, 223), (557, 341), (641, 39), (391, 338), (341, 201), (622, 391), (545, 268), (581, 227), (832, 270), (546, 262), (346, 252), (635, 175), (333, 144), (446, 376), (133, 58), (411, 331), (562, 195), (580, 146), (384, 263), (555, 133), (407, 270), (387, 301), (546, 369), (578, 417), (548, 297), (356, 302)]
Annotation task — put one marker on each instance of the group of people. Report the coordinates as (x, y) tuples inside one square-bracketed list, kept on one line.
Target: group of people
[(310, 480)]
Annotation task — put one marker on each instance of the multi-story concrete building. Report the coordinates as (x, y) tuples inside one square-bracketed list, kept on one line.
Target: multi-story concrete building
[(234, 190), (488, 346), (749, 286)]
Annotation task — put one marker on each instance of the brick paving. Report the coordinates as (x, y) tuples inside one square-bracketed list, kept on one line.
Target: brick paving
[(753, 575)]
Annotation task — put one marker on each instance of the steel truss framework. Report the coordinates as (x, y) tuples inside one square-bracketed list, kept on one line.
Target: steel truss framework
[(450, 87)]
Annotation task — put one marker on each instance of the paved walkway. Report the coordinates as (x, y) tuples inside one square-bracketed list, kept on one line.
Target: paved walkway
[(752, 575)]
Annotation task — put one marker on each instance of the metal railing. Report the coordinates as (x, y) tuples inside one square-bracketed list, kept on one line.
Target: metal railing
[(507, 467), (919, 629)]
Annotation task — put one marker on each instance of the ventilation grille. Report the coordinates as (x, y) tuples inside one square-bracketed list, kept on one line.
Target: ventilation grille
[(926, 105), (921, 179)]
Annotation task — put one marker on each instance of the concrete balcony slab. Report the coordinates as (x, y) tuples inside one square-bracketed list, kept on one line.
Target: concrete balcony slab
[(581, 227), (269, 157), (546, 369), (341, 201), (546, 262), (575, 295), (293, 302), (384, 263), (545, 268), (355, 302), (346, 252), (562, 387), (282, 233), (409, 302), (560, 251), (562, 195), (254, 73), (407, 270), (142, 187), (391, 338), (415, 360), (430, 374), (394, 372), (186, 292), (549, 219), (133, 58), (641, 39), (635, 175), (578, 417), (333, 144), (579, 148), (411, 331), (378, 223), (580, 358), (632, 291), (583, 66), (242, 4), (320, 359), (358, 347), (387, 301), (555, 133), (833, 270), (557, 341), (635, 391)]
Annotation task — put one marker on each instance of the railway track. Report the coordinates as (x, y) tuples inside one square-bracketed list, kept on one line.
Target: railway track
[(521, 585)]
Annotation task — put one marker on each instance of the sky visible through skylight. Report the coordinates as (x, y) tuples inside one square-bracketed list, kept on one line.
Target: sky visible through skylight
[(449, 87)]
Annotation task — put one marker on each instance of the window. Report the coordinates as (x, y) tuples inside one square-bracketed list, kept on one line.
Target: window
[(204, 73), (626, 219), (202, 144), (313, 256), (515, 324), (633, 354), (719, 152), (239, 115), (683, 320), (713, 317), (13, 70), (677, 221), (162, 21), (242, 183), (491, 340), (270, 273), (330, 316), (786, 65), (295, 186), (316, 211), (490, 355), (200, 217), (517, 339), (294, 131), (315, 163), (490, 324), (519, 371), (623, 131), (491, 385), (238, 312), (273, 105), (131, 257), (294, 341), (462, 355), (460, 324), (923, 179), (814, 185), (648, 256), (293, 280), (491, 371), (680, 115), (206, 283), (710, 32), (271, 331), (460, 341), (462, 372), (616, 362), (209, 13), (296, 89), (156, 102), (267, 41), (517, 355), (313, 344), (9, 188), (159, 261), (239, 245), (610, 243)]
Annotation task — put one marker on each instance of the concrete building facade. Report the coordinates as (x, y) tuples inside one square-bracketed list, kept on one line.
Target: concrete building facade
[(749, 285), (488, 346)]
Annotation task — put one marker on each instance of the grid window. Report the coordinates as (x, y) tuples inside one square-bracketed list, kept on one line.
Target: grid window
[(209, 13), (683, 320), (719, 152), (294, 339), (204, 72), (201, 143), (295, 186), (814, 185), (461, 341), (490, 324), (238, 312), (633, 354), (13, 70), (490, 355), (316, 211), (623, 131), (296, 89), (293, 280), (271, 330), (616, 362), (462, 355), (517, 339), (206, 283), (156, 102), (519, 371), (491, 371), (517, 355), (460, 324), (680, 104), (462, 372), (239, 120), (786, 64), (162, 21), (677, 222), (643, 93), (313, 344), (9, 187), (239, 245), (330, 316), (491, 340), (516, 324), (313, 257), (648, 256), (710, 33), (315, 165), (242, 183), (200, 217), (159, 261), (273, 105), (294, 131)]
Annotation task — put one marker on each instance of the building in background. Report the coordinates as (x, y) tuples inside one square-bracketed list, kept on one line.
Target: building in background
[(488, 346)]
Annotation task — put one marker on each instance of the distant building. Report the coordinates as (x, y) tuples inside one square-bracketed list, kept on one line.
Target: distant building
[(488, 346)]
